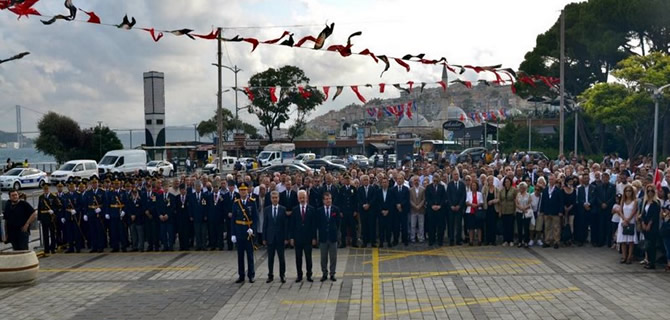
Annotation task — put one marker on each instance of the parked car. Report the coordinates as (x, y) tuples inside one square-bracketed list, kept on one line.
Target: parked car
[(286, 167), (360, 160), (304, 157), (156, 166), (316, 164), (476, 153), (338, 161), (228, 165), (331, 158), (84, 169), (19, 178)]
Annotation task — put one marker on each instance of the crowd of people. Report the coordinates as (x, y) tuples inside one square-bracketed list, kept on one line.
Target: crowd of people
[(616, 203)]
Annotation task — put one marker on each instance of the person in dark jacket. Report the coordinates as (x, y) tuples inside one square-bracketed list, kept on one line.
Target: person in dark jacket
[(328, 219), (606, 198), (200, 206), (401, 219), (456, 207), (436, 197), (552, 208), (367, 209), (650, 219), (387, 208), (276, 235), (302, 234)]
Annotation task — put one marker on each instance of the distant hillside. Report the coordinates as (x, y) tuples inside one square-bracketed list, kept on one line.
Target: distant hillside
[(11, 137)]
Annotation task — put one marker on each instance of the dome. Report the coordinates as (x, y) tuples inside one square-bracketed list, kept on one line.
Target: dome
[(416, 121), (454, 113)]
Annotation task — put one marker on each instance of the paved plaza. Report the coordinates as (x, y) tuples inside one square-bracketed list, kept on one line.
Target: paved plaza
[(414, 282)]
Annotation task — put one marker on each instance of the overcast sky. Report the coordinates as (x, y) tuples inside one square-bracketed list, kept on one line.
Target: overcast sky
[(94, 73)]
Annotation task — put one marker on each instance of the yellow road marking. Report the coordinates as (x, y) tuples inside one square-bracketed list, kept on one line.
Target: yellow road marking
[(546, 294), (376, 287), (460, 271), (128, 269)]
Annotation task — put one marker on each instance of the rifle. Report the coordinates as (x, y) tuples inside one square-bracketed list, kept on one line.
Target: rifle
[(120, 206), (51, 215)]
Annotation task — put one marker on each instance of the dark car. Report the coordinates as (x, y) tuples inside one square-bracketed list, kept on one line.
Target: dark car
[(476, 153), (316, 164), (535, 156), (287, 167)]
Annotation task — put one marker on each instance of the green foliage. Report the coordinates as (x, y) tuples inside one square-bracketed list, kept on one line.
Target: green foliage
[(209, 127), (273, 115), (62, 138)]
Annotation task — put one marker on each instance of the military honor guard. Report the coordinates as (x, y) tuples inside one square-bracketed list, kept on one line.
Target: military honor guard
[(47, 215), (74, 235), (94, 199), (243, 224), (114, 212)]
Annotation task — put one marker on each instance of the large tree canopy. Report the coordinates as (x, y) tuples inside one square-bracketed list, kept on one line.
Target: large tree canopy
[(291, 103), (209, 127)]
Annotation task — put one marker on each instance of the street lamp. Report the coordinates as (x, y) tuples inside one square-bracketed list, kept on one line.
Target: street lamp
[(657, 98)]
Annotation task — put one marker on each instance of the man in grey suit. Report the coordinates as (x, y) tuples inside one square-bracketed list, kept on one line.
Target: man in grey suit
[(417, 203), (276, 236)]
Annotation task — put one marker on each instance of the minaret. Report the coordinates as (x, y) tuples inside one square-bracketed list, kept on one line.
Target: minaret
[(154, 112), (445, 78)]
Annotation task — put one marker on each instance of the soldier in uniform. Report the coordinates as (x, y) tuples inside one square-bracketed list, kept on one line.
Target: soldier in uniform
[(348, 204), (73, 233), (151, 226), (94, 199), (113, 214), (243, 224), (135, 208), (166, 218), (82, 208), (60, 214), (47, 215)]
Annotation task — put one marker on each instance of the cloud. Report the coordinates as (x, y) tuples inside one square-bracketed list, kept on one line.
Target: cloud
[(94, 73)]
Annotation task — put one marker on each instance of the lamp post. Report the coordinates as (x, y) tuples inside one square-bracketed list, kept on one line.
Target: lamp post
[(657, 98)]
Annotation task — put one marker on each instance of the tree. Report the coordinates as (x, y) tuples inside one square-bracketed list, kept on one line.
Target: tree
[(61, 137), (289, 100), (623, 109), (209, 127)]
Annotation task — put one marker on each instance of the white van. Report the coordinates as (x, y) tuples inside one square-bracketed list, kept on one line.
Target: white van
[(85, 169), (302, 157), (126, 161), (276, 153), (227, 165)]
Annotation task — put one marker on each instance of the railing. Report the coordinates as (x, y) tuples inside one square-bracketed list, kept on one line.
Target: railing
[(47, 167)]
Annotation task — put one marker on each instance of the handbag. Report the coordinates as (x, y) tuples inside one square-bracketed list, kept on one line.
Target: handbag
[(628, 230), (528, 214)]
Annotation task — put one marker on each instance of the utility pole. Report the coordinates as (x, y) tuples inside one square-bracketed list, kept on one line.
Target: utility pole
[(562, 88), (219, 108), (99, 139), (576, 126), (19, 132), (130, 132)]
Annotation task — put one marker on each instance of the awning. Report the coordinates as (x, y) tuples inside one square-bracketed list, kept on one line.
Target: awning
[(380, 146)]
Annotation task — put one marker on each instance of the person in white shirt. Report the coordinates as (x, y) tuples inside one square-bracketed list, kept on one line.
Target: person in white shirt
[(474, 216)]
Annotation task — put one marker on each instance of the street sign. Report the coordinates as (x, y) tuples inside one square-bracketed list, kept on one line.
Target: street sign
[(453, 125), (360, 136)]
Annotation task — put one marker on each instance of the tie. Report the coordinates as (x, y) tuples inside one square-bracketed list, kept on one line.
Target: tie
[(328, 213), (274, 213), (288, 194), (399, 189), (302, 212), (366, 192)]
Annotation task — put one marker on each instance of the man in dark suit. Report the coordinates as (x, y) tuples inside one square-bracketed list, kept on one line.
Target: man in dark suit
[(183, 219), (552, 208), (276, 235), (200, 207), (435, 217), (347, 201), (228, 200), (313, 192), (302, 232), (456, 201), (587, 206), (401, 218), (387, 207), (368, 208), (606, 198), (166, 218), (289, 198), (244, 223), (328, 219), (215, 218)]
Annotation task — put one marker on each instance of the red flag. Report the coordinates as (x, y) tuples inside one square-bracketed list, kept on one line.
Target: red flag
[(462, 118), (443, 85), (358, 94), (325, 91), (367, 52), (153, 34), (249, 93), (658, 177), (402, 63), (411, 85), (273, 96), (382, 86), (304, 93), (286, 33), (408, 110), (211, 36), (92, 17)]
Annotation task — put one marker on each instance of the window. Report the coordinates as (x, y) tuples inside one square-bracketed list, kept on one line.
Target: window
[(79, 167), (148, 122), (120, 162), (90, 166), (159, 121)]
